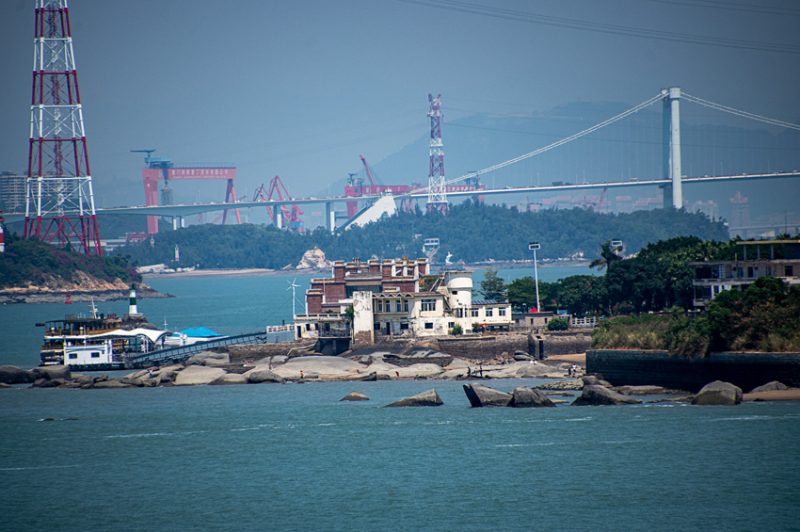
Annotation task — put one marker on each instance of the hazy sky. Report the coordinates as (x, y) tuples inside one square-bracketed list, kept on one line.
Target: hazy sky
[(299, 88)]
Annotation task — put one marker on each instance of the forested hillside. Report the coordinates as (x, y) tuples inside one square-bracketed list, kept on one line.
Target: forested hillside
[(34, 263), (471, 232)]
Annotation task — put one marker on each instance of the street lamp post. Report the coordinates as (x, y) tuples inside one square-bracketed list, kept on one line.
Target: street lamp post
[(533, 246)]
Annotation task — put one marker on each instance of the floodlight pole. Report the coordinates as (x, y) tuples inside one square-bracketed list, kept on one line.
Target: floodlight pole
[(533, 246)]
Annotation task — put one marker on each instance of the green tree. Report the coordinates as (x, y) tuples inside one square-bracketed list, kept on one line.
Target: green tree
[(493, 287), (558, 324), (522, 294)]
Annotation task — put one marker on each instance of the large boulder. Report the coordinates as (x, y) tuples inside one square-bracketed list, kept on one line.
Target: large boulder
[(260, 374), (230, 378), (426, 398), (522, 356), (594, 394), (718, 393), (15, 375), (327, 368), (52, 372), (480, 395), (355, 396), (48, 383), (210, 359), (595, 380), (192, 375), (110, 383), (524, 397), (770, 386)]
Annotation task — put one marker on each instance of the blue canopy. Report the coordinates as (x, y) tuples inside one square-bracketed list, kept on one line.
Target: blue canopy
[(200, 332)]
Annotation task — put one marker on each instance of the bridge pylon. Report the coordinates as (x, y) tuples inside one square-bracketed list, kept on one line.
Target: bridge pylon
[(671, 119)]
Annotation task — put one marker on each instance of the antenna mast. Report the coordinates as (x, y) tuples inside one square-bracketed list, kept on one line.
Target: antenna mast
[(59, 204)]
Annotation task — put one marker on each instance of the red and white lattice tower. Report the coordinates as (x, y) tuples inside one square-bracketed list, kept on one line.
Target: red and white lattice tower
[(437, 186), (59, 199)]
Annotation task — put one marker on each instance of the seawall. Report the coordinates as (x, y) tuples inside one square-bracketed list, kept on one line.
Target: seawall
[(746, 370)]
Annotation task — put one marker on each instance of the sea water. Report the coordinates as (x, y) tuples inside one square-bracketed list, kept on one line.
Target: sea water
[(292, 456)]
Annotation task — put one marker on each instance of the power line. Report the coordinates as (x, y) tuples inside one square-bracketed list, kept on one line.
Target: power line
[(733, 6), (612, 29)]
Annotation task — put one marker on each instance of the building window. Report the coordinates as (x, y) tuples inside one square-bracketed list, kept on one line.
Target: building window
[(428, 305), (429, 325), (73, 356), (488, 312), (404, 326), (405, 305), (380, 306), (788, 271), (95, 354), (451, 324), (501, 312), (398, 307), (473, 312), (377, 326)]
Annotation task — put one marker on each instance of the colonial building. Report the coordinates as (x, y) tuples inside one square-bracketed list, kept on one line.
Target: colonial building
[(754, 259), (400, 297)]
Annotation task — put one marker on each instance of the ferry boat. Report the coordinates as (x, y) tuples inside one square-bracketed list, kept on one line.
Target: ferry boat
[(99, 342)]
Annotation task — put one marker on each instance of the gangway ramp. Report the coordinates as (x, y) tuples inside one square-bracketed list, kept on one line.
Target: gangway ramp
[(272, 335)]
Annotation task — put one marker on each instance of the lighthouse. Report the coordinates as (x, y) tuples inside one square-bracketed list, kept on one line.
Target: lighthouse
[(2, 239), (132, 309)]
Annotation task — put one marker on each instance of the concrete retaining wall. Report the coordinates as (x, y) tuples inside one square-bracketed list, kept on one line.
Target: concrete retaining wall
[(746, 370)]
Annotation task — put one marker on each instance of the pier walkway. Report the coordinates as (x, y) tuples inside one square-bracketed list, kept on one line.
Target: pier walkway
[(272, 335)]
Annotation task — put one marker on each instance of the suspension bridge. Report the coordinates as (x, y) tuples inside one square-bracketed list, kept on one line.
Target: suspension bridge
[(671, 183)]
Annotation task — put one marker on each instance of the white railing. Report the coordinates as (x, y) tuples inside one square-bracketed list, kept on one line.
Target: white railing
[(590, 321)]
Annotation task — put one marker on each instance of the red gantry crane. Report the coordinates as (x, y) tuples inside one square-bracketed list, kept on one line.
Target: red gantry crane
[(160, 168)]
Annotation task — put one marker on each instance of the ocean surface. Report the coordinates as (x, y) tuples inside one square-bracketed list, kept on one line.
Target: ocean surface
[(232, 304), (293, 457)]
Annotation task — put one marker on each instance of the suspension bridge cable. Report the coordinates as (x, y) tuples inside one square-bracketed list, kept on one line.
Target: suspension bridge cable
[(556, 144), (614, 29), (741, 113)]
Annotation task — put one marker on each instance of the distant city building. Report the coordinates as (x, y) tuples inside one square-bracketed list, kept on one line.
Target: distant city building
[(754, 259), (12, 192), (394, 298), (740, 212)]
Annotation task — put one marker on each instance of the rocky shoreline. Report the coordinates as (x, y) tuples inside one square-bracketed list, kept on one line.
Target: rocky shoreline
[(12, 296), (210, 368)]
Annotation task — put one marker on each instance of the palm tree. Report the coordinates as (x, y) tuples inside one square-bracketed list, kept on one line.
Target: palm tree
[(607, 256)]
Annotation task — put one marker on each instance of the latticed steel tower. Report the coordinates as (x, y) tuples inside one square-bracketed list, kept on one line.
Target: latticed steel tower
[(59, 199), (437, 186)]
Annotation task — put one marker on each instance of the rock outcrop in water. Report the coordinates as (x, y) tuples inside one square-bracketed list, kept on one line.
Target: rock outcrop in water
[(718, 393), (426, 398), (524, 397), (480, 396), (355, 396), (594, 395)]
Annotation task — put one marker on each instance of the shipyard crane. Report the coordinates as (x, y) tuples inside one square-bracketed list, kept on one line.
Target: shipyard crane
[(284, 213), (158, 168)]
